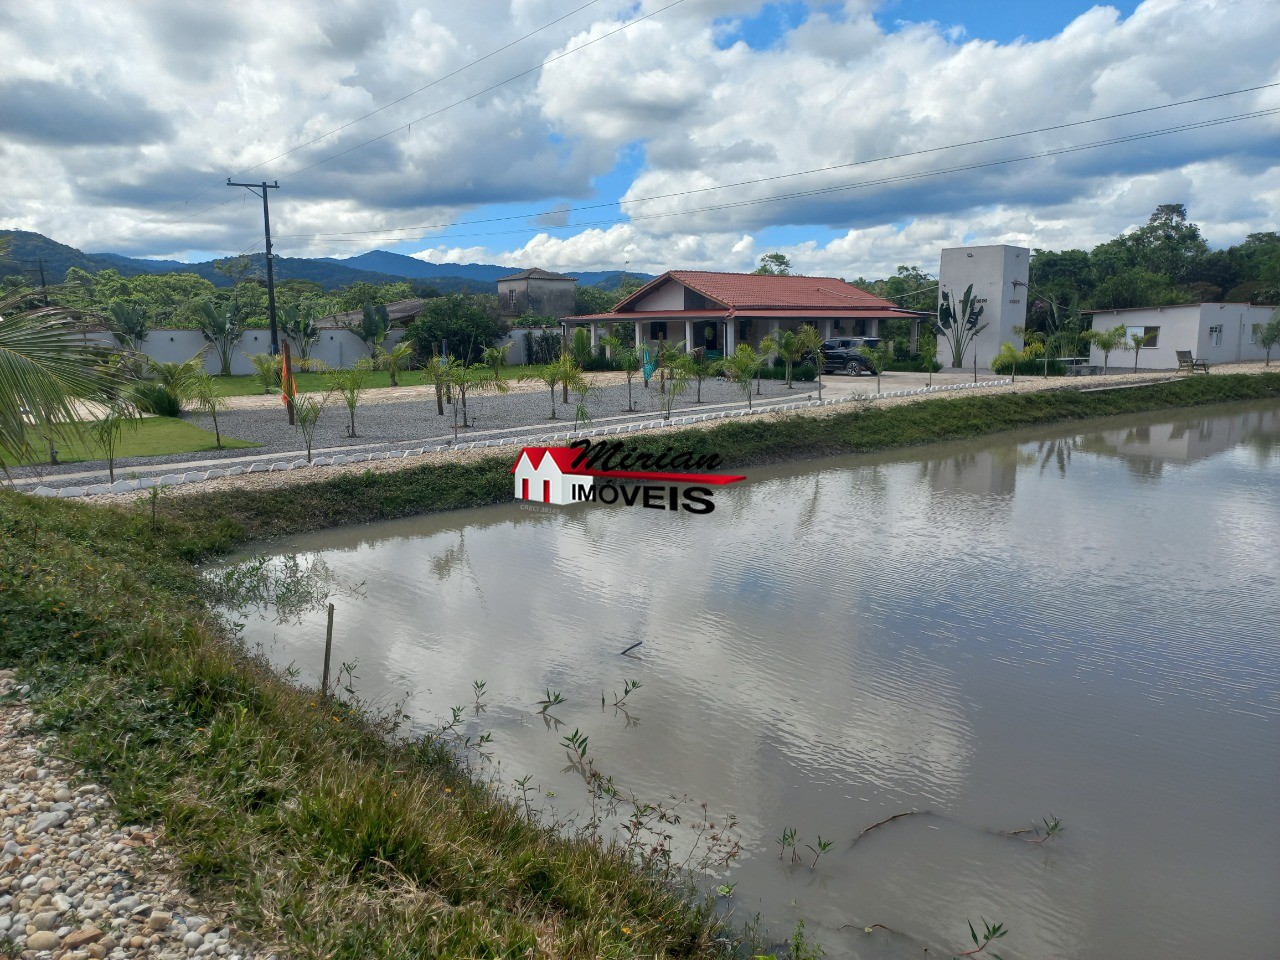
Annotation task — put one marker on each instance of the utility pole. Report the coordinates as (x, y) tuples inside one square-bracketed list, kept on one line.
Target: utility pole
[(44, 289), (254, 188)]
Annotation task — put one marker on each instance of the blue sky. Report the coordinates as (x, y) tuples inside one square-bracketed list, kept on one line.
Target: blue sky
[(127, 151)]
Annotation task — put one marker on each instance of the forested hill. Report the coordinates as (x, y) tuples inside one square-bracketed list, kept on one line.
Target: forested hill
[(378, 267)]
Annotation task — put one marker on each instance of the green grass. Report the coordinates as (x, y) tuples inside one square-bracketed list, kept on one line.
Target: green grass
[(324, 836), (150, 437)]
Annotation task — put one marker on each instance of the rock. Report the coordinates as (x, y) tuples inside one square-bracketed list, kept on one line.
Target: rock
[(159, 920), (42, 940), (62, 794), (80, 938), (192, 940), (45, 921), (97, 951), (45, 821)]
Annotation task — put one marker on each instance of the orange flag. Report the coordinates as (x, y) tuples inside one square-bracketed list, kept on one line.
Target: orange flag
[(288, 388)]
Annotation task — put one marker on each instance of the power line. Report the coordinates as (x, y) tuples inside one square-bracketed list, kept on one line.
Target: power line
[(488, 89), (798, 173), (473, 96), (881, 181)]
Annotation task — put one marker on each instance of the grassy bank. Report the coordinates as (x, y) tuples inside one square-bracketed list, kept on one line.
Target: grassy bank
[(329, 839)]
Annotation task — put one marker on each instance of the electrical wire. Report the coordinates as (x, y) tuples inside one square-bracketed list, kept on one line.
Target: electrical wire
[(798, 173), (819, 191)]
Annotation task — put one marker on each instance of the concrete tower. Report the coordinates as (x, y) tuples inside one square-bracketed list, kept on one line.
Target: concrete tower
[(999, 277)]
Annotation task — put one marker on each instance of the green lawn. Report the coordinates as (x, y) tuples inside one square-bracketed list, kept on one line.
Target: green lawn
[(152, 437)]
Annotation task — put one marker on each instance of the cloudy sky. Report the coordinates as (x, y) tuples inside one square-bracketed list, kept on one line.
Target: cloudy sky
[(592, 135)]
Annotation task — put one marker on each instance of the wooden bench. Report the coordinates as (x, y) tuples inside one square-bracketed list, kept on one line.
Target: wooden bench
[(1190, 363)]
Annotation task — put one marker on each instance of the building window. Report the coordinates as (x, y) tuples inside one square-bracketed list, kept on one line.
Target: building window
[(511, 295), (1215, 335), (1152, 335), (658, 330), (1254, 331)]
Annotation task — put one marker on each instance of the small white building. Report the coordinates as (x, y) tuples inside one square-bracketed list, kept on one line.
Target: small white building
[(545, 475), (999, 276), (1213, 332)]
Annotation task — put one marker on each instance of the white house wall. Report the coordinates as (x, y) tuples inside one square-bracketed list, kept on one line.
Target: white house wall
[(669, 296), (1187, 327)]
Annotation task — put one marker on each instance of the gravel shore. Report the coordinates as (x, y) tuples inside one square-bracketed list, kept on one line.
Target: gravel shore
[(77, 884)]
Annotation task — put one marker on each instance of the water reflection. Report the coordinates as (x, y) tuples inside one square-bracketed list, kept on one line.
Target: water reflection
[(1065, 622)]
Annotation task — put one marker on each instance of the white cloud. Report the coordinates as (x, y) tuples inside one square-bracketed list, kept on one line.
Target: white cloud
[(208, 93)]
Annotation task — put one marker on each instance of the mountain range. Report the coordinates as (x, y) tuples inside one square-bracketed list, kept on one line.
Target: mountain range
[(28, 251)]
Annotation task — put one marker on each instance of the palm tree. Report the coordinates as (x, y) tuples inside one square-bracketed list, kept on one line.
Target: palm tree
[(222, 328), (791, 349), (741, 366), (395, 359), (372, 327), (130, 324), (204, 389), (46, 366), (811, 341), (628, 358), (299, 326), (1107, 341)]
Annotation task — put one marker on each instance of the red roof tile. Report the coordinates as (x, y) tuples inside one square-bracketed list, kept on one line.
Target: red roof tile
[(745, 291)]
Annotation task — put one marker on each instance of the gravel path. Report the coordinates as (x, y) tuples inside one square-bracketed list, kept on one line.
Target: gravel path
[(405, 422), (74, 882)]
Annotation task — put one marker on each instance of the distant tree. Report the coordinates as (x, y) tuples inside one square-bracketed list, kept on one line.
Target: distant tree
[(468, 322), (957, 323), (592, 299), (356, 295), (775, 264)]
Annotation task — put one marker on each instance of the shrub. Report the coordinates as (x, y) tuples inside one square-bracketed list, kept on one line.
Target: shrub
[(914, 364), (152, 397), (1029, 367), (778, 371)]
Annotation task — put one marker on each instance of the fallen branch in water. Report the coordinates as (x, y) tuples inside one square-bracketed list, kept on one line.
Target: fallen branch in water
[(881, 823), (1052, 827)]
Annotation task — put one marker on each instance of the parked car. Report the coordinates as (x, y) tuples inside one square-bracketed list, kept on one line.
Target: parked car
[(844, 353)]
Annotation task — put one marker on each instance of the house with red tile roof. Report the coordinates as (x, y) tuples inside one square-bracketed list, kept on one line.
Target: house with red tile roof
[(720, 310)]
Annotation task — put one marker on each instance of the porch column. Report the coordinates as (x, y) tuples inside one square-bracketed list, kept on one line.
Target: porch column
[(608, 332), (688, 335), (875, 327), (594, 336), (774, 324), (729, 337), (639, 335), (826, 329), (915, 337)]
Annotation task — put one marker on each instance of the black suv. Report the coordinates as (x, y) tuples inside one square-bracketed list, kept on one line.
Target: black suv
[(842, 353)]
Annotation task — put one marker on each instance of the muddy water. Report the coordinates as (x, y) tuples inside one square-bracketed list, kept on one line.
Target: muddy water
[(1080, 623)]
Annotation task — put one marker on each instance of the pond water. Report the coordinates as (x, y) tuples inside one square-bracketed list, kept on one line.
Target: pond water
[(1077, 623)]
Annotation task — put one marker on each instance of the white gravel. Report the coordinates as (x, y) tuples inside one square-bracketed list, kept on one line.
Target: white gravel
[(77, 884)]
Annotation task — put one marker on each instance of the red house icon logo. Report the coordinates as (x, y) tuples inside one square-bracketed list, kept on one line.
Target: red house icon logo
[(547, 475)]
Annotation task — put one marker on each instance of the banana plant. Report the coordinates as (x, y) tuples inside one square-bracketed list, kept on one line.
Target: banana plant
[(957, 323), (221, 327)]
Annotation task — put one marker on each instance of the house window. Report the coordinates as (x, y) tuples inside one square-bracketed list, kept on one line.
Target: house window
[(511, 295), (658, 330), (1152, 335), (1215, 335)]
